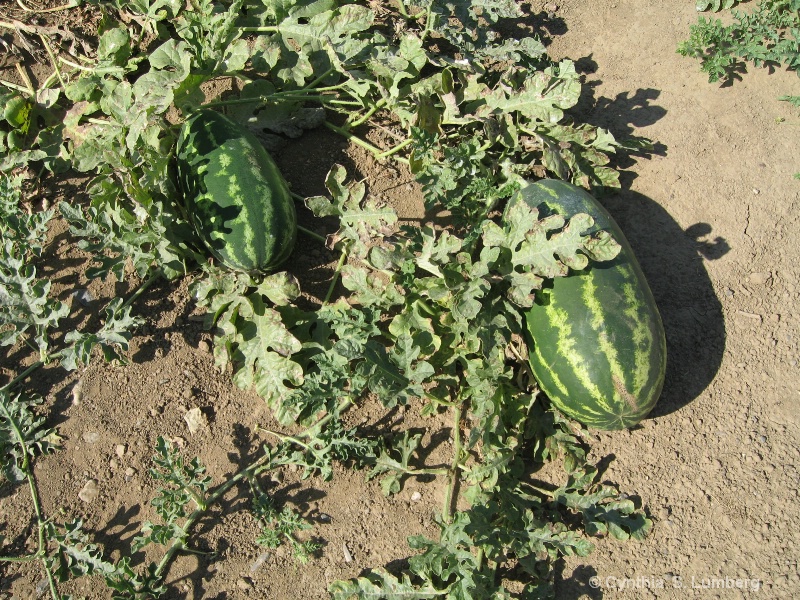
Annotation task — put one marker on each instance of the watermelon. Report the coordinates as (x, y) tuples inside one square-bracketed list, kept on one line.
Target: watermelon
[(237, 199), (597, 344)]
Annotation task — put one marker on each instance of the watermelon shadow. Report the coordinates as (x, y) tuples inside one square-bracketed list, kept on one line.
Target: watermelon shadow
[(674, 262)]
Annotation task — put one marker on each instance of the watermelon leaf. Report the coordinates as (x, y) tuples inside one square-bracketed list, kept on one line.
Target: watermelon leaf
[(362, 221)]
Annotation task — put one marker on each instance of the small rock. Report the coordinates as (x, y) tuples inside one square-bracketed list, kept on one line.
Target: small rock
[(113, 464), (120, 450), (130, 472), (195, 420), (416, 497), (83, 296), (77, 392), (187, 394), (90, 437), (324, 518), (348, 558), (203, 346), (179, 442), (89, 492)]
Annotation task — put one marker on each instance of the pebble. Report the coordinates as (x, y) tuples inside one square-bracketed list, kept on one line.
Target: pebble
[(120, 450), (416, 497), (203, 346), (130, 472), (83, 296), (348, 558), (89, 492), (77, 392), (90, 437)]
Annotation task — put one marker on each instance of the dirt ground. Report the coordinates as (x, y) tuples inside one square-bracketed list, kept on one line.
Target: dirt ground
[(709, 214)]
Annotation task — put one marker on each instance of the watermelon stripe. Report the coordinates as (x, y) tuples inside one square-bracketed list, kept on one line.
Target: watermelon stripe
[(239, 203), (596, 342)]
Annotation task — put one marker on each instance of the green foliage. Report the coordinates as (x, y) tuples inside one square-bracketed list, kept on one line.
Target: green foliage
[(25, 302), (185, 483), (769, 34), (281, 526), (22, 435), (112, 338), (430, 319)]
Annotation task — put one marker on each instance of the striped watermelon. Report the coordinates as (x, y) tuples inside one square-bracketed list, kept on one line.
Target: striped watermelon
[(236, 197), (598, 348)]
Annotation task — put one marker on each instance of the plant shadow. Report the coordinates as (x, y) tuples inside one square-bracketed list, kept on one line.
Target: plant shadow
[(583, 583)]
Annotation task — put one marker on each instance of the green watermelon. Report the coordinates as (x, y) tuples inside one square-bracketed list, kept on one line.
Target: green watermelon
[(597, 344), (237, 199)]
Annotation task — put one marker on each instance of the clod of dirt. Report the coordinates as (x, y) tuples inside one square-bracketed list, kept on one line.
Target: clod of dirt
[(89, 492), (195, 420), (243, 584), (90, 437), (760, 278)]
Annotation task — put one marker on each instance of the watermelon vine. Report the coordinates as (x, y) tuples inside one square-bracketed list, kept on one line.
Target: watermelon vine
[(426, 317)]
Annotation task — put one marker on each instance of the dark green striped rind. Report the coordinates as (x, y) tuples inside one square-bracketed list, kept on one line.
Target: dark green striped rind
[(237, 198), (598, 348)]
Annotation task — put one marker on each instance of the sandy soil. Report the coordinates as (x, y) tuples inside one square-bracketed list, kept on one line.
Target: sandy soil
[(709, 214)]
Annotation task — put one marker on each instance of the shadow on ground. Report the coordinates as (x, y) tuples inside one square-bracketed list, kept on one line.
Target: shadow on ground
[(673, 260)]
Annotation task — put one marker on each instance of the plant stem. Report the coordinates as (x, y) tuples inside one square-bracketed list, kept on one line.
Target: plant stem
[(14, 86), (263, 463), (397, 148), (80, 67), (366, 116), (364, 144), (312, 430), (24, 374), (286, 438), (37, 506), (71, 4), (263, 29), (314, 83), (24, 76), (53, 59), (150, 280), (452, 473), (401, 8), (311, 234), (335, 280), (429, 21), (289, 94)]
